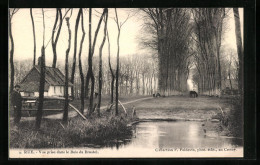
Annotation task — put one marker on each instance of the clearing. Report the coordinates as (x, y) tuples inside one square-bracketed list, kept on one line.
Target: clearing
[(180, 107)]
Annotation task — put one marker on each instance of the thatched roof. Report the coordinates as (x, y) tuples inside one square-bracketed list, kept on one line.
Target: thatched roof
[(33, 87), (53, 77)]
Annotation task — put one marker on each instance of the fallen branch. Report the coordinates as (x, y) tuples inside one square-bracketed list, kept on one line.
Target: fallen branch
[(122, 106), (62, 125), (78, 111), (109, 107)]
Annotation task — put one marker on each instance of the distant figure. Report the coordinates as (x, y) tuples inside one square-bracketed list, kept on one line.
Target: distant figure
[(153, 95), (96, 95), (193, 94), (133, 112), (16, 100), (158, 95)]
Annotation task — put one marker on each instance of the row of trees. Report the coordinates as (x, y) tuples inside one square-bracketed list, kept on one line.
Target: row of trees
[(188, 38), (214, 63), (170, 34), (207, 35), (138, 74), (229, 70)]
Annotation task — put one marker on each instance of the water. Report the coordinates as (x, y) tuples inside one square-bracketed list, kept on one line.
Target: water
[(179, 134), (161, 139)]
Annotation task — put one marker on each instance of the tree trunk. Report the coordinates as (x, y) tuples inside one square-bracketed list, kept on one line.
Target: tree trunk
[(41, 90), (55, 39), (11, 54), (90, 74), (239, 49), (66, 105), (143, 84), (111, 70), (80, 64), (89, 56), (42, 81), (100, 63), (75, 54), (229, 75), (117, 63), (137, 82), (117, 72), (34, 38), (126, 84), (131, 82)]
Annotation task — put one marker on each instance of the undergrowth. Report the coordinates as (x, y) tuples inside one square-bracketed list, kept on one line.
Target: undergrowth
[(235, 117), (78, 132)]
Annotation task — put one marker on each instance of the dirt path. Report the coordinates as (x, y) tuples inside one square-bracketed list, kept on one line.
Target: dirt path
[(73, 113)]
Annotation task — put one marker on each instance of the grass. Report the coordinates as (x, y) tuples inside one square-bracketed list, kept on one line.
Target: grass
[(180, 102), (180, 107), (78, 132)]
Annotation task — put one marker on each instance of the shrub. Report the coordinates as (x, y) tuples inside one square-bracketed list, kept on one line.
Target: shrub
[(235, 117)]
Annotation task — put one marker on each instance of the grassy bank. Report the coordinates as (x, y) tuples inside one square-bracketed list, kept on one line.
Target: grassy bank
[(235, 118), (179, 107), (78, 132), (230, 116)]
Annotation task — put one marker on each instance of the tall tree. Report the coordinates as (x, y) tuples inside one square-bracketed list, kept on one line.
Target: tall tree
[(111, 71), (239, 48), (34, 38), (89, 53), (80, 64), (11, 14), (90, 75), (100, 62), (75, 53), (42, 79), (54, 39), (66, 104), (119, 26)]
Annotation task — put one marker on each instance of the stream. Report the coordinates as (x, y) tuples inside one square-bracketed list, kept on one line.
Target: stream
[(173, 134)]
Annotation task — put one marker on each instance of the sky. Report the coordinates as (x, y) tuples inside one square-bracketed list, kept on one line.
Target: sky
[(23, 36), (130, 31)]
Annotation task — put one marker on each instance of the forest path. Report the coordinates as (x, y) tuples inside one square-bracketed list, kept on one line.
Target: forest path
[(73, 113)]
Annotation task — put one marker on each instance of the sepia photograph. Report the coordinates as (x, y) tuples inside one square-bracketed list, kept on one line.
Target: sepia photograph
[(126, 82)]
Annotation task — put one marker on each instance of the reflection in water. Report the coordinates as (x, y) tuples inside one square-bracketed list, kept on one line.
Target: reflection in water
[(180, 134)]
